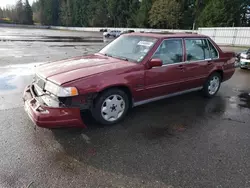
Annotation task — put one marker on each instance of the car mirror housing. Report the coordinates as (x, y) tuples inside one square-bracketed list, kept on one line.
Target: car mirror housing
[(155, 63)]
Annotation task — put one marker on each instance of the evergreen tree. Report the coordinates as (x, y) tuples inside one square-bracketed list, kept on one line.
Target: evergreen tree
[(165, 14), (28, 13), (100, 17), (19, 16), (42, 11), (113, 12), (80, 16), (49, 12), (36, 11), (133, 10), (135, 13), (66, 13), (1, 13), (55, 12), (143, 13), (91, 10), (221, 13), (123, 8), (187, 8)]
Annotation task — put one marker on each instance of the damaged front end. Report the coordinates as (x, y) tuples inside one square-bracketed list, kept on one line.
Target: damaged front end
[(244, 61), (51, 111)]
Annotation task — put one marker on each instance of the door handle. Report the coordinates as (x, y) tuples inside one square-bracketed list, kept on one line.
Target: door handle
[(180, 67), (209, 61)]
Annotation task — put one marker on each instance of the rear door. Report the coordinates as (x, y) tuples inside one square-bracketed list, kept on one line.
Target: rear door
[(160, 81), (199, 62)]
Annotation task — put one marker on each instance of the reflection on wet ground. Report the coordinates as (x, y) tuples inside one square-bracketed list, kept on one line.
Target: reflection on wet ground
[(151, 135), (14, 77), (49, 39), (13, 80), (48, 36), (242, 100), (156, 132), (72, 45), (245, 99), (29, 46), (5, 83)]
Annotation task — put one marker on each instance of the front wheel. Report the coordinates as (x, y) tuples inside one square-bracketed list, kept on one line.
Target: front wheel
[(111, 106), (212, 85)]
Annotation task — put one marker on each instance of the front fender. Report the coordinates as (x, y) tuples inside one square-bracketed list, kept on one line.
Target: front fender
[(133, 80)]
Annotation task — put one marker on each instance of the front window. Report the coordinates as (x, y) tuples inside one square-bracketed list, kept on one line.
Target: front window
[(129, 47), (170, 51)]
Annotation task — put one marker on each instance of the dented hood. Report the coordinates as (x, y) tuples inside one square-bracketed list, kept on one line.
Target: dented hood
[(64, 71)]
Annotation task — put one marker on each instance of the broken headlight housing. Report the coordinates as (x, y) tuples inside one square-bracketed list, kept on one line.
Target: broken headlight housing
[(60, 91)]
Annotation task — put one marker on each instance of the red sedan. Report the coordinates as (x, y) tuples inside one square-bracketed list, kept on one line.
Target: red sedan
[(132, 70)]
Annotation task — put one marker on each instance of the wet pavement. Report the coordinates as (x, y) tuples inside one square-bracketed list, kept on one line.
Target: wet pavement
[(185, 141)]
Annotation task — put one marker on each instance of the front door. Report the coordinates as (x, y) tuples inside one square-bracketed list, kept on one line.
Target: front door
[(161, 81)]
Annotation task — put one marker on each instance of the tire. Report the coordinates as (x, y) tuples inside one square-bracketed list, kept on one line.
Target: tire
[(110, 107), (243, 68), (107, 35), (212, 85)]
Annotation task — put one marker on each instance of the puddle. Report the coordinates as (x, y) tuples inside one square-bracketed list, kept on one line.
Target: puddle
[(244, 100), (15, 77), (13, 80), (216, 106), (153, 133), (5, 83), (70, 45)]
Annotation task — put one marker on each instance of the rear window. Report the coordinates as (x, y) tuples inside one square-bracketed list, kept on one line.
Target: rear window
[(197, 49), (213, 50)]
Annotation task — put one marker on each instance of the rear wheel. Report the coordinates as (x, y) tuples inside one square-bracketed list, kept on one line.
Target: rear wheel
[(111, 106), (212, 85)]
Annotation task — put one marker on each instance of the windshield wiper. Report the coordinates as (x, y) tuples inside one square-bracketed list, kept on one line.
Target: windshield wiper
[(123, 58), (118, 57), (108, 55)]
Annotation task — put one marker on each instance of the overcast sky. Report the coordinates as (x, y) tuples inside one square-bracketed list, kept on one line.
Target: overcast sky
[(3, 3)]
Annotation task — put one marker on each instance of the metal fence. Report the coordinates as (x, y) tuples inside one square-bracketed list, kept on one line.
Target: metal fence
[(233, 36)]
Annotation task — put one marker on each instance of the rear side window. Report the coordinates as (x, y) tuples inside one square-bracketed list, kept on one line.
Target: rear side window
[(214, 52), (197, 49), (170, 51)]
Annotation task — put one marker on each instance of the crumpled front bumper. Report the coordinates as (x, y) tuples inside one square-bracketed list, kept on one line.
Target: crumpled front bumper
[(50, 117), (244, 63)]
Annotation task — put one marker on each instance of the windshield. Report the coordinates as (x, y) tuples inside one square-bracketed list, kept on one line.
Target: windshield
[(129, 47)]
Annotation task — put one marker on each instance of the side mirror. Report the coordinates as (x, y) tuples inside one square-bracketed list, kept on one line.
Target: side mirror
[(155, 63)]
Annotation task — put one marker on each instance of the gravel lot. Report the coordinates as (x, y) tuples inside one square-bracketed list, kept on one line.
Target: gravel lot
[(186, 141)]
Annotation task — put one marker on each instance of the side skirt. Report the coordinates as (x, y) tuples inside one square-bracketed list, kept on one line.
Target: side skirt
[(165, 96)]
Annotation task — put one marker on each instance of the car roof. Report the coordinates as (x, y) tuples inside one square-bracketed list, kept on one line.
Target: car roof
[(169, 35)]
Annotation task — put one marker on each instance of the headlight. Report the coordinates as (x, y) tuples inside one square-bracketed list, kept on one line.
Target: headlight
[(60, 91)]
